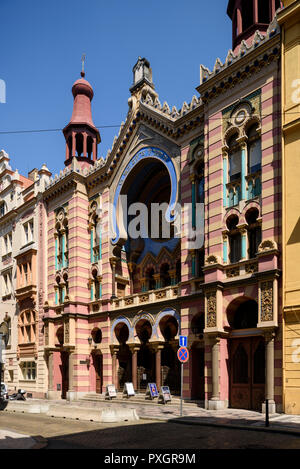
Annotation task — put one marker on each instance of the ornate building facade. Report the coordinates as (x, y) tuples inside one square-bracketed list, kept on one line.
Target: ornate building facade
[(111, 305)]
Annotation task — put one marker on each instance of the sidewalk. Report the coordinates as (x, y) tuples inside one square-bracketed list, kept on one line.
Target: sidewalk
[(148, 410)]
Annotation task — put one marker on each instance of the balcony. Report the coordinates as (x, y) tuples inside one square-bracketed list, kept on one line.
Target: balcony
[(241, 268), (25, 291), (143, 298)]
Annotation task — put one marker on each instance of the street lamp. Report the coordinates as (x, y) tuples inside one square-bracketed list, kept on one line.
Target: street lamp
[(90, 340)]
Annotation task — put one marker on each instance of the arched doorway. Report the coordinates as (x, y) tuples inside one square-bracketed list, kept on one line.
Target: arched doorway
[(63, 363), (247, 356), (97, 358), (145, 356), (198, 358), (170, 366), (124, 373)]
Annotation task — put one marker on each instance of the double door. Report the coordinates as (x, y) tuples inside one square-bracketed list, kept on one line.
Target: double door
[(247, 373)]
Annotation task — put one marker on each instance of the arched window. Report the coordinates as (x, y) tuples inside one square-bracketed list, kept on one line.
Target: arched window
[(165, 278), (254, 232), (200, 184), (89, 146), (235, 160), (254, 150), (79, 144), (235, 240), (151, 284)]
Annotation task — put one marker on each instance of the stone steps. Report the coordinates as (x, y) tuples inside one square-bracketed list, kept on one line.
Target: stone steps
[(138, 399)]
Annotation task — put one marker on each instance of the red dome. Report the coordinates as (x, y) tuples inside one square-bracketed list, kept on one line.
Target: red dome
[(82, 86)]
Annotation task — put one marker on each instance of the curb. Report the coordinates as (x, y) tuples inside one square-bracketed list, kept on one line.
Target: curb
[(232, 426), (40, 442)]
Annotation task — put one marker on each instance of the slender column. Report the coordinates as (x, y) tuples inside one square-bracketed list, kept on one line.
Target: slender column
[(158, 348), (225, 247), (71, 371), (255, 11), (50, 371), (113, 261), (134, 349), (269, 353), (131, 268), (192, 178), (243, 176), (114, 367), (94, 149), (173, 276), (92, 245), (272, 8), (215, 369), (157, 280), (85, 144), (63, 233), (243, 232), (225, 179), (56, 249), (73, 144)]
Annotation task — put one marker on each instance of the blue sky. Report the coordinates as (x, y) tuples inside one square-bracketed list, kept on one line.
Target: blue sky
[(41, 47)]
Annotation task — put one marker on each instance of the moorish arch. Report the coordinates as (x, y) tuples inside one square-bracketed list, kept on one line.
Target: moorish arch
[(149, 158)]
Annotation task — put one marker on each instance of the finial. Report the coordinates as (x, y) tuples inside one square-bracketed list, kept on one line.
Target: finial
[(82, 68)]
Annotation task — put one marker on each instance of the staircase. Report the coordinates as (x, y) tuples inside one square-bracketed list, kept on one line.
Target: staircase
[(138, 399)]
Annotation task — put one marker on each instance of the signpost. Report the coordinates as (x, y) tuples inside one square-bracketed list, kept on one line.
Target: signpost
[(152, 391), (183, 356), (128, 390), (110, 391)]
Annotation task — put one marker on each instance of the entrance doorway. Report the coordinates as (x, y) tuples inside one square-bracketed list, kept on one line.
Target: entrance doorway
[(64, 369), (247, 373), (197, 391), (98, 365)]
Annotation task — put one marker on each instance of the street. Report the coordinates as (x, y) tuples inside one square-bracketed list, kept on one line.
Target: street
[(73, 434)]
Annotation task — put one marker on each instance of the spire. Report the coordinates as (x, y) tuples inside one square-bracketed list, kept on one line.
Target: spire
[(81, 134)]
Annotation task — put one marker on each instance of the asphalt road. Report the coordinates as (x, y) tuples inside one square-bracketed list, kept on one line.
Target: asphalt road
[(72, 434)]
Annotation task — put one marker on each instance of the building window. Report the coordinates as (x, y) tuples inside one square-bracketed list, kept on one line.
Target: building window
[(28, 370), (235, 240), (27, 327), (151, 283), (254, 232), (7, 244), (235, 160), (2, 209), (254, 150), (165, 278), (28, 232), (7, 283)]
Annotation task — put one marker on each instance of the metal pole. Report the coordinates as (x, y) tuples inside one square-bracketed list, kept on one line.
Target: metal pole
[(267, 413), (181, 390)]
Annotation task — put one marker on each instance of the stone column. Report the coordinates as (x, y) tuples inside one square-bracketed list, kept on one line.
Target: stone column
[(71, 393), (52, 393), (225, 178), (134, 349), (215, 403), (157, 349), (113, 261), (85, 144), (269, 354), (114, 351)]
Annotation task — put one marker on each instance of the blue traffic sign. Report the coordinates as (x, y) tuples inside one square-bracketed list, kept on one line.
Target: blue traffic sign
[(183, 354), (182, 341)]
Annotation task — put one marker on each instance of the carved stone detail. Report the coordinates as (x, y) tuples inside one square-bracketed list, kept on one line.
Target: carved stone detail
[(266, 301), (211, 309)]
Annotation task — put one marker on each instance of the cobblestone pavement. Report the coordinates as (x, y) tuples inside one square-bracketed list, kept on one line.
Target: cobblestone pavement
[(154, 411), (73, 434)]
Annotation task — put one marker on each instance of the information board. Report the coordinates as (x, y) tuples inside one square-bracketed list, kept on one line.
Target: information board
[(110, 391), (152, 391), (165, 394), (128, 389)]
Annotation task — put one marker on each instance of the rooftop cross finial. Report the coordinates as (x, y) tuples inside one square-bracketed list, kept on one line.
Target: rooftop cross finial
[(82, 66)]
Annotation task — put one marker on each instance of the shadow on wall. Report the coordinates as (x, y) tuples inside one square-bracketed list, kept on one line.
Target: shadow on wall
[(295, 236)]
